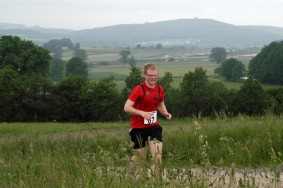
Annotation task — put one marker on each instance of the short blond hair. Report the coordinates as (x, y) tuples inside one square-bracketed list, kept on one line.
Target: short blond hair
[(149, 66)]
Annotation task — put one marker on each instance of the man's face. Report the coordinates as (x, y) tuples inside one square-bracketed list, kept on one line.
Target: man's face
[(151, 76)]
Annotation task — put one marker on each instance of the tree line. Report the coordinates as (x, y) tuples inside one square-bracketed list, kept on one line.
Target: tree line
[(28, 93), (266, 67)]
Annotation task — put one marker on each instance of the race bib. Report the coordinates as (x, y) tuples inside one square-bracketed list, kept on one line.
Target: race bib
[(152, 119)]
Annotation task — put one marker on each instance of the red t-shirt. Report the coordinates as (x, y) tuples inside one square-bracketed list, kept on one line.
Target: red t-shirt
[(146, 100)]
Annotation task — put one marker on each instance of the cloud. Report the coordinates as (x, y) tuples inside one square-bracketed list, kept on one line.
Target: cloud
[(212, 10)]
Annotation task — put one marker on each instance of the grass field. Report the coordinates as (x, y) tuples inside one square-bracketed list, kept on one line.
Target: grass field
[(238, 152)]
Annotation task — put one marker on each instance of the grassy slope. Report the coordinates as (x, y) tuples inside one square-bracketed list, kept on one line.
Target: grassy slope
[(97, 154)]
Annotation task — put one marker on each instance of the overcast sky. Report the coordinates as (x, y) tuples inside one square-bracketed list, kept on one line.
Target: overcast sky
[(87, 14)]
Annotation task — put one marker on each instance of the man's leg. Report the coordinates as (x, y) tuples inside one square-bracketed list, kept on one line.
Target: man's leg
[(139, 156), (138, 139), (155, 147)]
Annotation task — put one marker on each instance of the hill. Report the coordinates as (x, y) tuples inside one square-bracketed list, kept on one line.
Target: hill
[(182, 32)]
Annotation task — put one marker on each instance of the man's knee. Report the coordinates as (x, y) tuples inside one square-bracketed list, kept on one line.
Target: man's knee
[(138, 158), (157, 158), (135, 159)]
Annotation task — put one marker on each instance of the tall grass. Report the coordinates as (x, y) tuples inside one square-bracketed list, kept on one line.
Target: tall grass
[(197, 153), (241, 141)]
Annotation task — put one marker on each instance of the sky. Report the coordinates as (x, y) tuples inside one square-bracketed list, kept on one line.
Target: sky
[(88, 14)]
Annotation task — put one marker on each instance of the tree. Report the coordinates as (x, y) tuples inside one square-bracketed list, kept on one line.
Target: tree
[(67, 43), (135, 77), (23, 56), (132, 61), (192, 88), (218, 54), (158, 46), (170, 93), (11, 89), (75, 66), (57, 69), (139, 46), (166, 81), (55, 46), (267, 66), (214, 99), (194, 80), (276, 94), (174, 102), (251, 99), (69, 90), (232, 69), (77, 46), (199, 97), (100, 101), (80, 53), (124, 56), (37, 98)]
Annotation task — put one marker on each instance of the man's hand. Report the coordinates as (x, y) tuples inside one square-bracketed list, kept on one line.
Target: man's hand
[(168, 116), (146, 115)]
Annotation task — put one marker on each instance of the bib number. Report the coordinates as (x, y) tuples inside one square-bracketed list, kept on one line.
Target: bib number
[(153, 118)]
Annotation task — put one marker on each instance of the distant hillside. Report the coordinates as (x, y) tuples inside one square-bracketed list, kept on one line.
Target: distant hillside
[(37, 34), (188, 32), (11, 26)]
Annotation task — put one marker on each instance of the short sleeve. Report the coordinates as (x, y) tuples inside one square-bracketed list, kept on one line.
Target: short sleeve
[(136, 93)]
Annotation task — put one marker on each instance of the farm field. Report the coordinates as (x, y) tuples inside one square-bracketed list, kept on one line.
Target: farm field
[(222, 152), (185, 61)]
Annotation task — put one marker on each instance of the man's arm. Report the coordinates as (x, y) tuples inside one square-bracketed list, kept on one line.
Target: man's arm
[(163, 110), (129, 108)]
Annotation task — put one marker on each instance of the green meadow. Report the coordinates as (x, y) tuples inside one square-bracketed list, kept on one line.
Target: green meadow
[(222, 152)]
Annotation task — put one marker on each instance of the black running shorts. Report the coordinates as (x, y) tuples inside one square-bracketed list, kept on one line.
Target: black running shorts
[(140, 136)]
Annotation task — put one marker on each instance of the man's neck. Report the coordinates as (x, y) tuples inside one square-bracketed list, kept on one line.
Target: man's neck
[(150, 85)]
